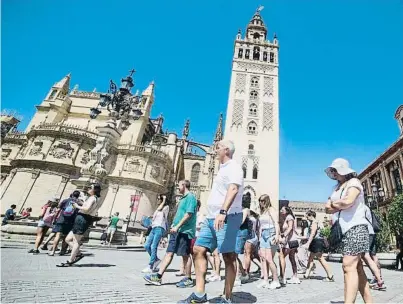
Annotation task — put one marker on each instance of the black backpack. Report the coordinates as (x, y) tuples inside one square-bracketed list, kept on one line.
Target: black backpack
[(376, 222)]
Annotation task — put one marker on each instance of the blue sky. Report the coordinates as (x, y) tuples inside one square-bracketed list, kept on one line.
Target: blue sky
[(341, 68)]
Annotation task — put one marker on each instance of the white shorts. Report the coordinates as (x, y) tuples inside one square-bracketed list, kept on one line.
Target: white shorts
[(42, 224), (111, 229)]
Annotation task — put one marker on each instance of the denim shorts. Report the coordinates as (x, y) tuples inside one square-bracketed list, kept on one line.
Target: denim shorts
[(223, 239), (241, 239), (267, 238)]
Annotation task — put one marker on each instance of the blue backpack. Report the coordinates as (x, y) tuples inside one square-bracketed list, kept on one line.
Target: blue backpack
[(68, 209)]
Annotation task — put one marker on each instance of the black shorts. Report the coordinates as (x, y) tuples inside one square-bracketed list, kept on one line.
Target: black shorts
[(317, 246), (64, 224), (180, 244), (372, 244), (81, 223)]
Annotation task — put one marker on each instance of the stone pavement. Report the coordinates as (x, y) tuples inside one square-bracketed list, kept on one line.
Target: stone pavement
[(106, 276)]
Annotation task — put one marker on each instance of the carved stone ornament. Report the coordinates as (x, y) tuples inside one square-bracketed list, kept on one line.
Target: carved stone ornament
[(36, 149), (155, 171), (86, 157), (240, 82), (98, 156), (62, 150), (133, 165), (268, 116), (237, 114), (268, 86), (255, 67), (5, 153)]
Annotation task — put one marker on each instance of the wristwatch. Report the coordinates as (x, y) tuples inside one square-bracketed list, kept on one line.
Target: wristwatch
[(224, 212)]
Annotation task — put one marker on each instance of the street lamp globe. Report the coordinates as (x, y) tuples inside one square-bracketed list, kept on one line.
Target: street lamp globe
[(370, 199), (374, 188), (381, 192)]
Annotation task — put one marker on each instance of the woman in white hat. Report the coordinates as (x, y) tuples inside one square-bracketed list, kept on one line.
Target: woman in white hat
[(348, 207)]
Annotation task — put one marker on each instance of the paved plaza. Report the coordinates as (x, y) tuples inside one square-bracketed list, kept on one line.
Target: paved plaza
[(109, 276)]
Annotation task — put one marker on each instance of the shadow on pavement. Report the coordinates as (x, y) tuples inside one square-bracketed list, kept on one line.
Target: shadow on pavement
[(94, 265), (237, 297)]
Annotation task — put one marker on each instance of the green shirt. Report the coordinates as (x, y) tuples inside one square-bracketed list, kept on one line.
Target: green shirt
[(187, 204), (114, 222)]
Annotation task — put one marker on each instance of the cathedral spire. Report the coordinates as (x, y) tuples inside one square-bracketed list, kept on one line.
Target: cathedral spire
[(185, 132), (218, 133), (63, 84)]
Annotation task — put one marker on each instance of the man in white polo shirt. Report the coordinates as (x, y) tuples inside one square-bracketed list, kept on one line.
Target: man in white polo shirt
[(219, 230)]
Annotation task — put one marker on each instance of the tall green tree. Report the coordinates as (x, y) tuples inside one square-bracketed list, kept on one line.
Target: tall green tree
[(395, 214)]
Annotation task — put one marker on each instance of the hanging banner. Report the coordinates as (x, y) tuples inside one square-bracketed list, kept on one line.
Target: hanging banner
[(135, 201)]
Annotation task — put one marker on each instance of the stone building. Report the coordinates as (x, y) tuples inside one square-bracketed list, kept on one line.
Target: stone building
[(8, 122), (385, 173), (252, 120), (63, 149), (300, 208)]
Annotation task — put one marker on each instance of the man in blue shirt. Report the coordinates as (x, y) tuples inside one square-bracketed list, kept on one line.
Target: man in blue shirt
[(183, 230), (9, 215)]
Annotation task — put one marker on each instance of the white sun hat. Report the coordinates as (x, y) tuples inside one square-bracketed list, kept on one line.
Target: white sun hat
[(342, 167)]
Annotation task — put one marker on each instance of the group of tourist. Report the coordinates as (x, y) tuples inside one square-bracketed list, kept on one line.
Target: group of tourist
[(230, 228), (68, 220)]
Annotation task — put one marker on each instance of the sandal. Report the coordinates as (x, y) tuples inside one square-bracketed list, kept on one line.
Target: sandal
[(67, 264), (331, 279), (306, 277), (78, 257), (51, 254)]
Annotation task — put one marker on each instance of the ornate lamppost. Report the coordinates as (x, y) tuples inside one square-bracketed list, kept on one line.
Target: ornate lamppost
[(120, 103), (374, 200)]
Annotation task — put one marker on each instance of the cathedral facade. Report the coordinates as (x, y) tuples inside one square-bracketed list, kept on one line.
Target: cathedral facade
[(63, 148)]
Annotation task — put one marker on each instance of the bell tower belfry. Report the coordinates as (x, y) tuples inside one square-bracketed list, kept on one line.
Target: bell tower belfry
[(252, 120)]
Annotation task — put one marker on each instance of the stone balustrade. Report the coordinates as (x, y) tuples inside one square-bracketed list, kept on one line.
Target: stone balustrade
[(142, 150), (65, 128), (18, 136)]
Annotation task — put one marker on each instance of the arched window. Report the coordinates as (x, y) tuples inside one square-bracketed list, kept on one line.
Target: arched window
[(253, 109), (254, 173), (251, 149), (244, 171), (256, 53), (240, 53), (246, 54), (254, 82), (252, 128), (194, 175), (256, 35), (253, 95), (271, 57)]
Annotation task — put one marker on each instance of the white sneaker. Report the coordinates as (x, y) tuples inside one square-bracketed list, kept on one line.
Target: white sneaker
[(282, 281), (244, 278), (214, 278), (147, 270), (294, 280), (156, 264), (237, 283), (262, 284), (274, 285)]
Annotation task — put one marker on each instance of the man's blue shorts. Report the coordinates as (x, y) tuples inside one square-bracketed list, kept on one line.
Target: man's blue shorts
[(224, 239)]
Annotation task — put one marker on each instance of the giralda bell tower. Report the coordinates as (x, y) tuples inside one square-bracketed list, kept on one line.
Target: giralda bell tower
[(252, 120)]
